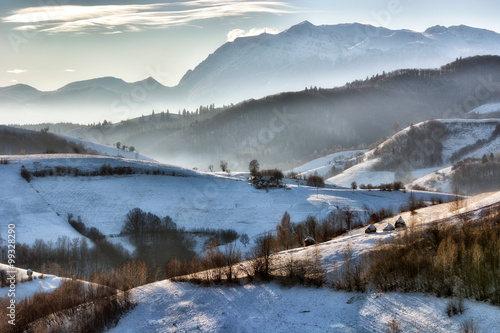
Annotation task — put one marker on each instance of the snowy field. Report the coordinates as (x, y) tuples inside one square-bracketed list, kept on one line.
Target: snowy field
[(192, 199)]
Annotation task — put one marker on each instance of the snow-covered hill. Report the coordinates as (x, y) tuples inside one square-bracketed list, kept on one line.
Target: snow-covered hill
[(177, 307), (324, 165), (457, 139), (39, 283), (486, 109), (166, 306)]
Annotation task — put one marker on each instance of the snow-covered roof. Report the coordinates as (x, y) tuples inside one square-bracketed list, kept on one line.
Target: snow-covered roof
[(371, 228)]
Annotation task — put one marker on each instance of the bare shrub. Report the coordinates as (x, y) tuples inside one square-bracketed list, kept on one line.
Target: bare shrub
[(469, 326), (232, 256), (455, 307), (393, 326)]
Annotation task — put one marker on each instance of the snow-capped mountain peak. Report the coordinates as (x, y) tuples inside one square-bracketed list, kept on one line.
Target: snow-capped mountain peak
[(326, 55)]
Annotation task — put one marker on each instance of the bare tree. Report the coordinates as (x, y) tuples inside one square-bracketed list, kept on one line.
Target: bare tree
[(244, 239), (223, 165), (232, 257), (261, 254), (284, 232), (135, 222), (254, 167), (349, 215)]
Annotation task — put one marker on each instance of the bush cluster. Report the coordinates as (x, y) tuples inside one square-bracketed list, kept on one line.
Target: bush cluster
[(157, 239), (394, 186), (315, 180), (221, 236), (218, 266), (93, 233), (70, 257)]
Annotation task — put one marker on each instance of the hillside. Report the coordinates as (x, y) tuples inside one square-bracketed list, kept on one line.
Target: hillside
[(290, 127), (424, 154), (39, 209), (192, 199), (323, 165), (15, 141), (177, 307), (172, 306)]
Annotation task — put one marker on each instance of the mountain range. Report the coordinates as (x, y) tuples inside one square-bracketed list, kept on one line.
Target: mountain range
[(304, 55)]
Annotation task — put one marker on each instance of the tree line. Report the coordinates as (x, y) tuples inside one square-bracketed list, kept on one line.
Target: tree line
[(41, 171)]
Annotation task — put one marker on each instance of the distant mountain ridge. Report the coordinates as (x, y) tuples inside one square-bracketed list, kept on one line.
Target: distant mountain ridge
[(252, 67)]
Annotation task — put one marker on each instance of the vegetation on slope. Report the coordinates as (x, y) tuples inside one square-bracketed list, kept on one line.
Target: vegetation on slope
[(459, 260), (18, 141)]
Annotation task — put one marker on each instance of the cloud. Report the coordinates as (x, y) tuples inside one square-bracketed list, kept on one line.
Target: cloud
[(69, 70), (236, 33), (17, 71), (85, 19)]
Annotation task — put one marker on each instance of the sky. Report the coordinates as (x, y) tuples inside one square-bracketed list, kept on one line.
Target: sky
[(50, 43)]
